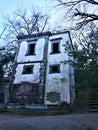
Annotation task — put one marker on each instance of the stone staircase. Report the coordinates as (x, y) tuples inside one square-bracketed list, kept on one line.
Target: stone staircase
[(93, 100)]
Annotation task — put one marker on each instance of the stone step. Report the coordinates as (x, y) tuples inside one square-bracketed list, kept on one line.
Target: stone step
[(93, 100), (93, 110), (93, 95), (93, 103), (96, 95), (93, 89), (95, 107)]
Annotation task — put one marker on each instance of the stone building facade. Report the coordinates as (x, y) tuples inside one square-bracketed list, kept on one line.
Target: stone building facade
[(41, 77)]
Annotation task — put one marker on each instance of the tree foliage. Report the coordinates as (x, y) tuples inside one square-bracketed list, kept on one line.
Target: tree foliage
[(85, 59), (83, 16), (6, 59)]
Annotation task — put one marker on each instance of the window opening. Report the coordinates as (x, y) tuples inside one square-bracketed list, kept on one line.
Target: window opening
[(54, 69), (31, 49), (55, 48), (28, 69)]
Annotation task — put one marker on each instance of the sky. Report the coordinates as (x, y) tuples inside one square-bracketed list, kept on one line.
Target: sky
[(7, 7)]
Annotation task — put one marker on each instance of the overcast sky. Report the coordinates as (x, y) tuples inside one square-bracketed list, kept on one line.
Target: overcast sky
[(7, 7)]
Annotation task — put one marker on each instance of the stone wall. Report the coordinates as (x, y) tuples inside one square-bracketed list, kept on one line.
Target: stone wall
[(57, 84), (27, 89), (24, 93)]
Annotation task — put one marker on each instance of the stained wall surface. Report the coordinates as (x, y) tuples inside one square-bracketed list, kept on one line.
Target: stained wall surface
[(57, 84)]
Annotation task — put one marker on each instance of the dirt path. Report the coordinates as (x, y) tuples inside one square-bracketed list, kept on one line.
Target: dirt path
[(63, 122)]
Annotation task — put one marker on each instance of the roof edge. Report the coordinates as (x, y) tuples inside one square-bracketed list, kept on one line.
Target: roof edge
[(34, 35), (40, 34)]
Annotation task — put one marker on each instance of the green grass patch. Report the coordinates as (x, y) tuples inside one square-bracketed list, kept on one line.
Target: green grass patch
[(34, 112)]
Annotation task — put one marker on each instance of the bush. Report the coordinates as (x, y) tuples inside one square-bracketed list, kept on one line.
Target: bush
[(81, 101)]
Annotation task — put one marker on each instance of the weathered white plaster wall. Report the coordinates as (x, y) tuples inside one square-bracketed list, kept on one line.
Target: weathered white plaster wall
[(31, 78), (58, 82), (22, 57)]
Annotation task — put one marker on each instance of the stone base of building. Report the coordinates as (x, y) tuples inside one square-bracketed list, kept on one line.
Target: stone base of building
[(33, 107), (26, 93), (37, 107)]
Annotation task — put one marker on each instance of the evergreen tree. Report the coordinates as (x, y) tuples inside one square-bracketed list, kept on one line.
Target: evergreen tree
[(85, 60)]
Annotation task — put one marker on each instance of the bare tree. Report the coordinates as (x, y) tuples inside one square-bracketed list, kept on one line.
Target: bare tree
[(82, 11), (26, 23), (23, 22)]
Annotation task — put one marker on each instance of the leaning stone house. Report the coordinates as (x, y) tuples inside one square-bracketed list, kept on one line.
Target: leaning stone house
[(41, 77)]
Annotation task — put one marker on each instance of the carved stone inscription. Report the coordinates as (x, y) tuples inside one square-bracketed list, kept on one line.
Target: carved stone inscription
[(53, 96)]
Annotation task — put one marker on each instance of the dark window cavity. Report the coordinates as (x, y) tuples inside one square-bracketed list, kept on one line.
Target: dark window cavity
[(31, 49), (55, 47), (54, 69), (28, 69)]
